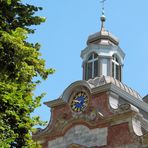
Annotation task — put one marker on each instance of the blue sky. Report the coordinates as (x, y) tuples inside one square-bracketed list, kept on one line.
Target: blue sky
[(64, 35)]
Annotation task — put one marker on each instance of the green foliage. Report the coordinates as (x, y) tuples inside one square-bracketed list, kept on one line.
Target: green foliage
[(20, 62)]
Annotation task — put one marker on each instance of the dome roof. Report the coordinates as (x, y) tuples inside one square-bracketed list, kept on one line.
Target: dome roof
[(103, 37)]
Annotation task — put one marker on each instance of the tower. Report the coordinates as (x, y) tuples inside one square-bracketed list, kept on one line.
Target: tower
[(102, 56), (99, 111)]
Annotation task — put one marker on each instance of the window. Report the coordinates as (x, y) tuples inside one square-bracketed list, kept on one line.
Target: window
[(116, 68), (91, 66)]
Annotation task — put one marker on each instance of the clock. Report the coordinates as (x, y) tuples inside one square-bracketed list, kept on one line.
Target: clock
[(79, 102)]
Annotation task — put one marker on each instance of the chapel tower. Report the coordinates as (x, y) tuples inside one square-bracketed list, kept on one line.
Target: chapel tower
[(99, 111), (102, 56)]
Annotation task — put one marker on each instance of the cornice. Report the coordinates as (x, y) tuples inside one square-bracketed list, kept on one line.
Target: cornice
[(54, 103)]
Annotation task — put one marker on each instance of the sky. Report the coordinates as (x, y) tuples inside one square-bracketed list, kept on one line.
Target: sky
[(64, 34)]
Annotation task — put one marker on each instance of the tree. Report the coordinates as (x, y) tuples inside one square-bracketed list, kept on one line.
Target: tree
[(20, 62)]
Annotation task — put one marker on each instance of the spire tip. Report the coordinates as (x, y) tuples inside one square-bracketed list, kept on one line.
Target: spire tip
[(102, 18)]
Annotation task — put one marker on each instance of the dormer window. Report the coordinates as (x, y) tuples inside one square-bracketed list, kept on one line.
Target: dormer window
[(116, 68), (91, 66)]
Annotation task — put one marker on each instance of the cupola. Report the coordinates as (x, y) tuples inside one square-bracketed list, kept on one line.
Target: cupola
[(103, 55)]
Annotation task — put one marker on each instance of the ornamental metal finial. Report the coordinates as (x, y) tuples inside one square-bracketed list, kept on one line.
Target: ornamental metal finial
[(102, 16)]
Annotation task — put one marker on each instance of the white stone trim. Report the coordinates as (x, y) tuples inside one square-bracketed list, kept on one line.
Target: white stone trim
[(77, 135), (66, 94)]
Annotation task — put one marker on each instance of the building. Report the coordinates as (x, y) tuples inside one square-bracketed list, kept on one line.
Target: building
[(99, 111)]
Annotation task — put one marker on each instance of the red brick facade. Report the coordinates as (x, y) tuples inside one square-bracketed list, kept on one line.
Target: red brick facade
[(119, 135), (117, 124)]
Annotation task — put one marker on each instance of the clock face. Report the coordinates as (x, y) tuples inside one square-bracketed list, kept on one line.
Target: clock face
[(79, 102)]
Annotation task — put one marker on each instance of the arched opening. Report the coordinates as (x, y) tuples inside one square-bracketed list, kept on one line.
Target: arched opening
[(91, 67), (116, 68)]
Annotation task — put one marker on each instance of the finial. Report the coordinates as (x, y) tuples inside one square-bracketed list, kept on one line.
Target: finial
[(102, 18)]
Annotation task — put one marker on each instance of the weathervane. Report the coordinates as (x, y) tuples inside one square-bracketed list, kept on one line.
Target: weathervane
[(103, 16), (102, 1)]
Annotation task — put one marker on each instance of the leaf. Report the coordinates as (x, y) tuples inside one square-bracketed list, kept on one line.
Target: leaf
[(20, 65), (8, 2)]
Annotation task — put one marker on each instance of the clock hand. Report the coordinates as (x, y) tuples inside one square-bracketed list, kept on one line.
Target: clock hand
[(77, 101)]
